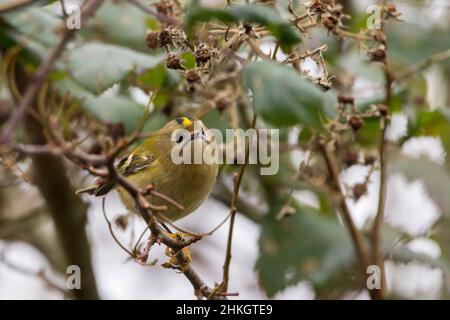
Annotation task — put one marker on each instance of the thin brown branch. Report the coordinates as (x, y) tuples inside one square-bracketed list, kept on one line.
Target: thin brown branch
[(362, 250), (410, 70), (41, 275), (88, 9), (377, 259), (233, 210)]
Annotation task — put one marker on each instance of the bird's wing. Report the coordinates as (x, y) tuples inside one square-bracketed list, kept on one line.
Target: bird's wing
[(134, 163)]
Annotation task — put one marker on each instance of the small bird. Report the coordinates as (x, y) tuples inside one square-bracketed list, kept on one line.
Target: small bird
[(152, 163)]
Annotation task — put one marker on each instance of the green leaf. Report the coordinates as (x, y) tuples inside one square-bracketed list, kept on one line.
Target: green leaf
[(115, 109), (282, 97), (188, 60), (98, 66), (304, 246), (122, 23), (263, 15), (35, 24)]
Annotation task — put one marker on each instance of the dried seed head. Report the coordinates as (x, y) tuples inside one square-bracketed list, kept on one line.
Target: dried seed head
[(383, 109), (203, 53), (346, 99), (329, 21), (178, 35), (151, 40), (377, 54), (165, 37), (193, 76), (222, 103), (359, 190), (369, 159), (173, 61), (356, 123), (350, 158), (317, 7)]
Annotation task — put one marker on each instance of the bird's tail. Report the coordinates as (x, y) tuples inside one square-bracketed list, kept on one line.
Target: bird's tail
[(90, 190)]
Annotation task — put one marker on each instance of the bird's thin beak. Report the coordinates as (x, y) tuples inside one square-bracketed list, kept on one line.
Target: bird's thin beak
[(200, 135)]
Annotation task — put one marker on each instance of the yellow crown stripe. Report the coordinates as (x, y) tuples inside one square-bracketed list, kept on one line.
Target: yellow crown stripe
[(187, 122)]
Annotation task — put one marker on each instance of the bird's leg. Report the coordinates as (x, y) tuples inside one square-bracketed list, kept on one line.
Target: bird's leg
[(179, 259)]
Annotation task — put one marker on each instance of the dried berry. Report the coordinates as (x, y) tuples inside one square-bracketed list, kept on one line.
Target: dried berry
[(383, 109), (377, 54), (329, 21), (152, 40), (346, 99), (369, 159), (193, 76), (165, 38), (203, 53), (359, 190), (350, 158), (173, 61), (317, 7), (356, 123), (222, 103)]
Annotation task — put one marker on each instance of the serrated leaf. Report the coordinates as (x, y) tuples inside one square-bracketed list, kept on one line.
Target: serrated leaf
[(282, 97), (97, 66)]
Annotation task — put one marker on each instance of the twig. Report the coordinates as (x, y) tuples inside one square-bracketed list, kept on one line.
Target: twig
[(39, 274), (233, 210), (112, 232), (375, 235), (88, 9), (358, 239), (409, 70)]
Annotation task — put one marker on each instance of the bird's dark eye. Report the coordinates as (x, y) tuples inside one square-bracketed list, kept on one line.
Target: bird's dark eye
[(180, 138)]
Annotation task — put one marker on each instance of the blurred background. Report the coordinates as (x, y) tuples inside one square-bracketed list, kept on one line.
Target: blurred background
[(416, 229)]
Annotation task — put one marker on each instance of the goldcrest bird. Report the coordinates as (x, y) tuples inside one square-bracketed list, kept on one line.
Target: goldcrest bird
[(189, 184)]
